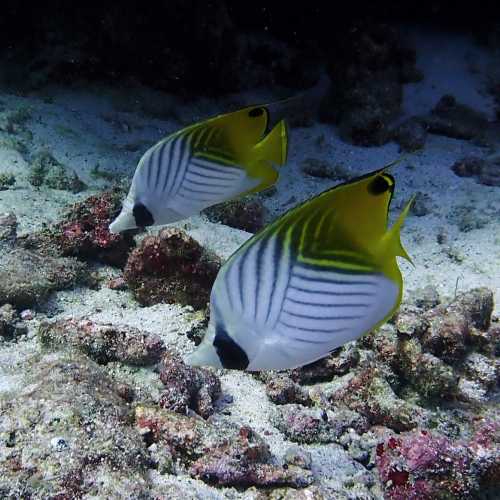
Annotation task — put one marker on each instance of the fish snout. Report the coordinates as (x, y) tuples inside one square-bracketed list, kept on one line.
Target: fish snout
[(124, 221), (204, 355)]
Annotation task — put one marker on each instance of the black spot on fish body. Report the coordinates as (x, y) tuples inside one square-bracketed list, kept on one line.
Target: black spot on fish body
[(231, 355), (255, 112), (143, 217), (381, 184)]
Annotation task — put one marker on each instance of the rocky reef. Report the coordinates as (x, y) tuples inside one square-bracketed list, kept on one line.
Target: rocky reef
[(84, 232), (217, 452), (28, 276), (245, 214), (410, 400), (187, 388), (104, 343), (156, 271), (367, 77), (67, 433)]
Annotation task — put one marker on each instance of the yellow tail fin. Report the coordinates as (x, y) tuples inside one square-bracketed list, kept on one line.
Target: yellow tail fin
[(274, 147)]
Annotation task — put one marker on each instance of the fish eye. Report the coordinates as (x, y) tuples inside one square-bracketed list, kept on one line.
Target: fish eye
[(255, 112), (381, 184), (143, 217)]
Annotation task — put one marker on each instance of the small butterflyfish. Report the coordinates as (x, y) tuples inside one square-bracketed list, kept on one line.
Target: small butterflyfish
[(216, 160), (321, 275)]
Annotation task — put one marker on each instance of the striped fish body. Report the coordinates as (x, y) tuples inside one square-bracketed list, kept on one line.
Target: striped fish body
[(316, 278), (291, 316), (201, 166)]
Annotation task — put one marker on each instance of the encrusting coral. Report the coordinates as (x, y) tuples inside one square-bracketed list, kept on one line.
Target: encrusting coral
[(187, 387), (171, 268), (27, 276), (103, 343), (218, 453), (84, 232)]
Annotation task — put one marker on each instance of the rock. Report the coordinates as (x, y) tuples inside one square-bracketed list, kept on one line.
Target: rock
[(411, 135), (8, 229), (8, 320), (456, 120), (430, 376), (220, 454), (188, 387), (104, 343), (490, 173), (245, 214), (68, 427), (427, 297), (117, 283), (486, 171), (243, 462), (447, 335), (281, 390), (323, 170), (468, 166), (84, 232), (369, 394), (482, 370), (27, 278), (422, 464), (337, 363), (471, 391), (313, 425), (367, 74), (477, 307), (295, 455), (46, 170), (6, 181), (171, 268)]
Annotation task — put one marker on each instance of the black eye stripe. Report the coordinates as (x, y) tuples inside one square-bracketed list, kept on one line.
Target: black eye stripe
[(231, 355), (143, 217), (255, 112)]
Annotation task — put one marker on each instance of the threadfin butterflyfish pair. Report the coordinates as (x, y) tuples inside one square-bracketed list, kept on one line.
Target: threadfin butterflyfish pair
[(323, 274), (207, 163)]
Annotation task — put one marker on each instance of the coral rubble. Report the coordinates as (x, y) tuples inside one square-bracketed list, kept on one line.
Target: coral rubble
[(187, 387), (64, 430), (27, 276), (245, 214), (171, 268), (103, 343), (84, 232)]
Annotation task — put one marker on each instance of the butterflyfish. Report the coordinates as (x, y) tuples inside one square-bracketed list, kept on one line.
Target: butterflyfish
[(321, 275), (204, 164)]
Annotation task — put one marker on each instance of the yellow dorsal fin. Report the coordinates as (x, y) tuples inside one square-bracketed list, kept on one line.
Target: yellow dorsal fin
[(393, 236), (272, 150), (274, 147)]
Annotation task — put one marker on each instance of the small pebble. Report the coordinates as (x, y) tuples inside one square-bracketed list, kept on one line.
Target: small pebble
[(59, 444), (27, 315)]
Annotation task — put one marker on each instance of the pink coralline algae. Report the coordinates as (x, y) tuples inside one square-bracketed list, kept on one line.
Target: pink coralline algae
[(85, 233), (220, 454), (422, 465), (243, 461), (171, 268), (188, 387)]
